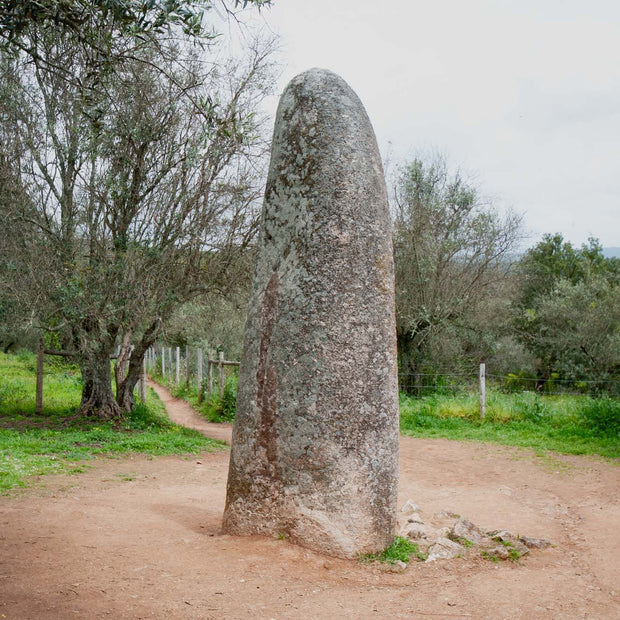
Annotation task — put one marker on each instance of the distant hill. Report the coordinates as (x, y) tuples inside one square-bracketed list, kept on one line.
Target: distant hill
[(611, 252)]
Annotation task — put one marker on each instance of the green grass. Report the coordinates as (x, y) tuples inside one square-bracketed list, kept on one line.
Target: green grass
[(62, 387), (401, 550), (565, 424), (58, 442)]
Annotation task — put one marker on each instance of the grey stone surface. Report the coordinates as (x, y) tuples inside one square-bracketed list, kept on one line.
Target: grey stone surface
[(535, 543), (315, 441), (410, 507), (444, 549), (467, 530)]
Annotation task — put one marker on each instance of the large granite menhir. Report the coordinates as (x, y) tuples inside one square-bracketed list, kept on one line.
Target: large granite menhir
[(315, 442)]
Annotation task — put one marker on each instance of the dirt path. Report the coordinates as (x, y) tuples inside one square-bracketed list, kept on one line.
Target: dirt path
[(181, 413), (139, 538)]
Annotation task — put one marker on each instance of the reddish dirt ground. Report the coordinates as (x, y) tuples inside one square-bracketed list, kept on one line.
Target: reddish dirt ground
[(139, 538)]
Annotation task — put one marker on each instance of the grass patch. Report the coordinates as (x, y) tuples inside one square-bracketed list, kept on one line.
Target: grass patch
[(564, 424), (401, 550), (491, 556), (461, 541), (58, 442)]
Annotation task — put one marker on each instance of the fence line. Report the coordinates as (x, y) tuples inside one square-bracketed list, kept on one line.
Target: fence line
[(193, 365), (419, 383)]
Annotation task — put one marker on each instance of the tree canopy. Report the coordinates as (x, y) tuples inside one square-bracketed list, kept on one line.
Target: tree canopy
[(451, 248), (127, 189)]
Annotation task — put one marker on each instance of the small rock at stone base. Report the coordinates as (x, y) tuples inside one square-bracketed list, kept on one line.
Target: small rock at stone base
[(444, 549), (467, 530), (507, 537), (415, 531), (534, 543), (409, 507), (447, 514), (397, 567), (415, 518)]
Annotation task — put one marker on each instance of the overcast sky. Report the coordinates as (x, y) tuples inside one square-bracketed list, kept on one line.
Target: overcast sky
[(522, 94)]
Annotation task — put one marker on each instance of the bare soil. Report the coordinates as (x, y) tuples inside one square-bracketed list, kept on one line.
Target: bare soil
[(139, 537)]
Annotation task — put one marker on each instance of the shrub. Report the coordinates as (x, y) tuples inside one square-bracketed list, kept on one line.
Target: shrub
[(602, 416)]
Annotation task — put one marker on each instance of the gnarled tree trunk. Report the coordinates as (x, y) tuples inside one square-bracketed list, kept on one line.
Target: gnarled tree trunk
[(97, 396), (126, 384)]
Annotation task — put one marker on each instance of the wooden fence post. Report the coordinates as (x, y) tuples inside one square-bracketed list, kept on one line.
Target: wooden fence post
[(210, 363), (177, 374), (163, 362), (199, 374), (142, 384), (38, 407), (221, 374), (188, 369), (482, 383)]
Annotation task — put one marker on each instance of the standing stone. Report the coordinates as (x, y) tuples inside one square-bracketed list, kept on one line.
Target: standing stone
[(315, 442)]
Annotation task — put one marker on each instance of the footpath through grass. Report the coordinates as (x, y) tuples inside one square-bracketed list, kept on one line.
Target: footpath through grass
[(211, 407), (58, 442), (569, 424), (565, 424)]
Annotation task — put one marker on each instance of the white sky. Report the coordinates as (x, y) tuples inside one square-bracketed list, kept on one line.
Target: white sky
[(522, 94)]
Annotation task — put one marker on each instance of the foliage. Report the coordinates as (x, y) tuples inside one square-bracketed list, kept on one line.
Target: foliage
[(451, 253), (86, 19), (213, 321), (136, 187), (58, 441), (567, 309), (580, 324), (565, 424), (400, 550), (211, 406)]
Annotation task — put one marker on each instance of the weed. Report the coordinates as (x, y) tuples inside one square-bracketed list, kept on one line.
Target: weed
[(126, 477), (400, 550), (461, 541), (602, 416), (492, 557)]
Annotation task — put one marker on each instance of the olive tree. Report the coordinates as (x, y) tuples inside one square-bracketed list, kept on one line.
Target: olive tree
[(137, 191), (452, 250), (566, 309)]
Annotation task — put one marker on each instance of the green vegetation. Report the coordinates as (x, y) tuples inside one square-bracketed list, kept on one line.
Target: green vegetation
[(491, 556), (401, 550), (462, 541), (212, 407), (58, 441), (566, 424)]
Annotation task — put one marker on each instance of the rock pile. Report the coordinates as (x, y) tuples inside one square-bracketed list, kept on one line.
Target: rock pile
[(448, 535)]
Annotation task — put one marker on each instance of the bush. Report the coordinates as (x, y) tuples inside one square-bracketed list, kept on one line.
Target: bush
[(602, 416), (223, 410)]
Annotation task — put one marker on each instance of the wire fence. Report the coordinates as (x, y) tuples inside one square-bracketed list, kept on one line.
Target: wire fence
[(424, 384), (208, 372)]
